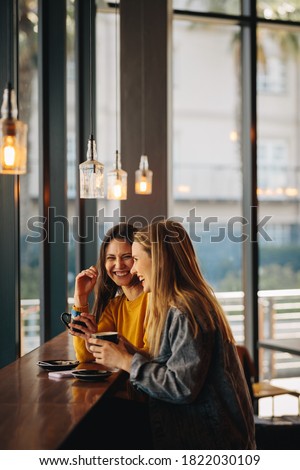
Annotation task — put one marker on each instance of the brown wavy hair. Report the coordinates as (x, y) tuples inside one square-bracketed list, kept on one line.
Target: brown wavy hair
[(178, 281), (105, 288)]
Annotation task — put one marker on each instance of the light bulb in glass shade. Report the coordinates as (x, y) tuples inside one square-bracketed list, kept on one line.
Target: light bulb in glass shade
[(13, 137), (117, 181), (143, 177), (9, 153), (91, 174)]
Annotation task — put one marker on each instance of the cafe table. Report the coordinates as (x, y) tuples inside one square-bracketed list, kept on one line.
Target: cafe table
[(37, 412)]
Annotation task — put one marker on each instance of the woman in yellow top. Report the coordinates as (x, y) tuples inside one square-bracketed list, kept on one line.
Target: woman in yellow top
[(120, 303)]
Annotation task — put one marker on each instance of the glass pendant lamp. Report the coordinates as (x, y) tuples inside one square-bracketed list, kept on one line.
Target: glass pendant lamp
[(117, 181), (13, 136), (143, 177), (117, 178), (91, 171), (91, 174)]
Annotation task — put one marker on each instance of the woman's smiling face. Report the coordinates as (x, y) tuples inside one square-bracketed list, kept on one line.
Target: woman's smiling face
[(142, 266), (119, 261)]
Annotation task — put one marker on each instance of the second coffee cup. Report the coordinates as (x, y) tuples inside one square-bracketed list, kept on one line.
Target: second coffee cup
[(111, 336)]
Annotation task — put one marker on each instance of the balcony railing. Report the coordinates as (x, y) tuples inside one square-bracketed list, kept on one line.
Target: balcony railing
[(279, 317)]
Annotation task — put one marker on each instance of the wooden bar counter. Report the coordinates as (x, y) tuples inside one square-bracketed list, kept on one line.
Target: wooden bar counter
[(37, 412)]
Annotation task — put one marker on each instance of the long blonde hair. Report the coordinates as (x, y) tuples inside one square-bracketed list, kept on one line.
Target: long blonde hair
[(178, 281)]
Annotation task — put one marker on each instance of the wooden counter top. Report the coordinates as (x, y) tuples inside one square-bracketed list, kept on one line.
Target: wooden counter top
[(37, 412)]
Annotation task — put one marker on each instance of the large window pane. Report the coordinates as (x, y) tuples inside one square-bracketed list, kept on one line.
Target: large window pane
[(279, 192), (29, 186), (72, 170), (108, 106), (206, 153)]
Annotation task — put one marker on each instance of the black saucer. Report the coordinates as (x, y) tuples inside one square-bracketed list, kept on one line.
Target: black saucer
[(91, 375), (60, 364)]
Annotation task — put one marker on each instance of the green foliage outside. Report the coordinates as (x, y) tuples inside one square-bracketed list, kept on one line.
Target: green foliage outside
[(279, 269)]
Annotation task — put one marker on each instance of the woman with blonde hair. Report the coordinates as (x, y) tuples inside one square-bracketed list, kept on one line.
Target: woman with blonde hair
[(198, 396)]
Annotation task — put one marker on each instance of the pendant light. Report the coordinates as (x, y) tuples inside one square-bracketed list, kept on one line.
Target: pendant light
[(117, 181), (91, 171), (13, 132), (117, 178), (143, 176)]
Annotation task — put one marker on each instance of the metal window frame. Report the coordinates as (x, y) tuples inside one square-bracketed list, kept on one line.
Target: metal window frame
[(52, 164)]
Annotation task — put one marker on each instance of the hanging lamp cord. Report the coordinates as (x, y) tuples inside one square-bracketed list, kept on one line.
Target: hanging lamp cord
[(91, 138), (116, 66), (9, 58), (142, 81)]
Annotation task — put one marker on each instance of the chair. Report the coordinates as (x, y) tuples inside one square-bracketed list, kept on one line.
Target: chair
[(260, 389), (270, 432)]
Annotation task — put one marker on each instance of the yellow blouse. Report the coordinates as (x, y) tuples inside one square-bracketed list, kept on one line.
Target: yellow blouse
[(127, 317)]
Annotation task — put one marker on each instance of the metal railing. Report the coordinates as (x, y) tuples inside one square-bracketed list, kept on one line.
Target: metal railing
[(279, 317)]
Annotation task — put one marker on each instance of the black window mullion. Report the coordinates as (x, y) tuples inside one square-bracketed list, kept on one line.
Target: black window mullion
[(249, 162), (52, 164), (9, 203)]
